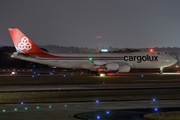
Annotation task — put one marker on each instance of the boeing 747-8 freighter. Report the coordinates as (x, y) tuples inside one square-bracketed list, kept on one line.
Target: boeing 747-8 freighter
[(121, 62)]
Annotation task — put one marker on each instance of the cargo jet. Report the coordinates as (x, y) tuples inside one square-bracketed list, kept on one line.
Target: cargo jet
[(121, 62)]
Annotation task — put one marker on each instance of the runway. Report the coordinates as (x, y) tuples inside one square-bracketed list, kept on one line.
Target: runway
[(123, 86), (67, 111), (87, 110)]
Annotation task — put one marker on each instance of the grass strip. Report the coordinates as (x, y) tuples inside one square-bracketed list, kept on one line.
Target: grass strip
[(102, 95), (173, 115)]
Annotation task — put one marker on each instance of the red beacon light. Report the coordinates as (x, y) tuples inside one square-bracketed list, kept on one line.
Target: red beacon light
[(151, 50)]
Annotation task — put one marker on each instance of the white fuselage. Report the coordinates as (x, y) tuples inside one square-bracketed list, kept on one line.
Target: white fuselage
[(138, 60)]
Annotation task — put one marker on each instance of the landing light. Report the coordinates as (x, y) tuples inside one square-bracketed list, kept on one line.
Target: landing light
[(102, 74), (13, 73)]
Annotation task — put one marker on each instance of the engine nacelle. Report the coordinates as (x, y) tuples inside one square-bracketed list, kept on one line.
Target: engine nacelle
[(117, 67), (124, 68), (99, 62), (112, 66)]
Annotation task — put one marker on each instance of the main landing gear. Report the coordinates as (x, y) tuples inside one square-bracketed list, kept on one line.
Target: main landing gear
[(160, 70), (96, 72)]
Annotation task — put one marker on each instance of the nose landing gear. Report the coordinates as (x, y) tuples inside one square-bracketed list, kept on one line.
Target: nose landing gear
[(160, 70)]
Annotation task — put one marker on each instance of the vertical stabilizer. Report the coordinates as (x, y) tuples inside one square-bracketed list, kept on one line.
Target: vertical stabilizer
[(22, 43)]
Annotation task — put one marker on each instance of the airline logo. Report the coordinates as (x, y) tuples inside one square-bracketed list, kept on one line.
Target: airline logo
[(24, 44), (139, 59)]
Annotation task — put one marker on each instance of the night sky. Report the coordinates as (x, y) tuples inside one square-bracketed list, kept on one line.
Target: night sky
[(120, 23)]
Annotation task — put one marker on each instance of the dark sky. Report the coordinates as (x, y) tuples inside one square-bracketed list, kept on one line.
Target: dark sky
[(120, 23)]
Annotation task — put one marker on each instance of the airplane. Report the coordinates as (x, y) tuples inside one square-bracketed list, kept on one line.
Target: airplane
[(120, 62)]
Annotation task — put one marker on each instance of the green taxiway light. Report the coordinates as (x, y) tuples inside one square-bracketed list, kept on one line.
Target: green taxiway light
[(37, 107), (25, 108), (4, 110), (15, 109), (65, 106), (49, 106)]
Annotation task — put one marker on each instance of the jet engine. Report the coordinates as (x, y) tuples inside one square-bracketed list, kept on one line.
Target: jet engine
[(124, 68), (99, 62), (117, 67)]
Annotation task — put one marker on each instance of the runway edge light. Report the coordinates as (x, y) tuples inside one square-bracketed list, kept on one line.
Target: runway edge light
[(98, 117)]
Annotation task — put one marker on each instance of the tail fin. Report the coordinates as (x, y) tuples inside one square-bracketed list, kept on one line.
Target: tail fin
[(22, 43)]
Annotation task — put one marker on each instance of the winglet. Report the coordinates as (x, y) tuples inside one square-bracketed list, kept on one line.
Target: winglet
[(22, 43)]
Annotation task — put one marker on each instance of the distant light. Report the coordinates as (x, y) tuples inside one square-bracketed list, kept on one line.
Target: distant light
[(142, 75), (32, 75), (64, 75), (97, 101), (38, 74), (154, 99), (107, 112), (49, 106), (65, 105), (98, 117), (155, 109), (37, 107), (53, 70), (10, 74), (12, 56), (104, 50), (99, 36), (31, 70), (102, 74), (25, 108), (96, 36), (34, 72), (15, 109), (22, 103), (4, 110)]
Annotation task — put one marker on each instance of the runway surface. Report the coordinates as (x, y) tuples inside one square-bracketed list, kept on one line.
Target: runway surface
[(67, 111), (14, 88)]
